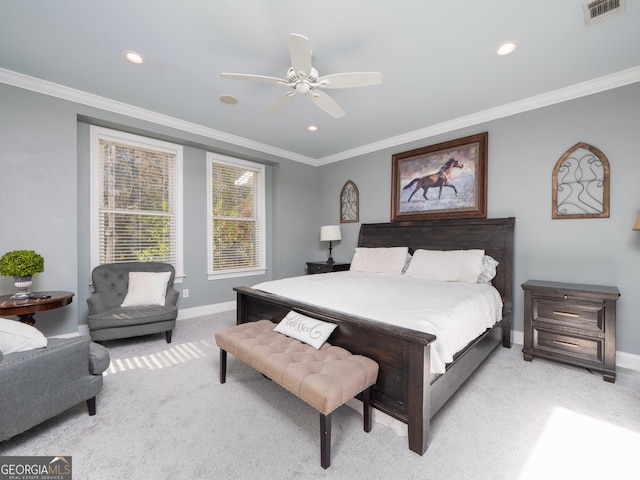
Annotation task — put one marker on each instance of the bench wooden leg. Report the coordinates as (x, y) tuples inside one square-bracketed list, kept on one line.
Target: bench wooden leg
[(325, 440), (223, 366), (366, 409)]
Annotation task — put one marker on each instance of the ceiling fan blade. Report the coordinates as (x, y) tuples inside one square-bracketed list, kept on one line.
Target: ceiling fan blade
[(326, 103), (354, 79), (300, 53), (252, 78), (282, 101)]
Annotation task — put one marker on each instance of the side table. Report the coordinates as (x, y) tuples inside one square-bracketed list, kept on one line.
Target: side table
[(571, 323), (26, 308)]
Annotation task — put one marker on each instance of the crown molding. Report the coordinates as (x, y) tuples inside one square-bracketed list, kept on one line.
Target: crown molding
[(78, 96), (608, 82), (583, 89)]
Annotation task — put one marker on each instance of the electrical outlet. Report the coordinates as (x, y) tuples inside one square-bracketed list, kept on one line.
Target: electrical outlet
[(185, 293)]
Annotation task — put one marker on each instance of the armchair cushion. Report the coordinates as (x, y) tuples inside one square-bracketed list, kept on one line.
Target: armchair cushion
[(146, 288), (19, 337)]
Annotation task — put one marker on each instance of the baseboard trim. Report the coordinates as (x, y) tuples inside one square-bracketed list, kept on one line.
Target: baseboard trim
[(623, 359), (193, 312)]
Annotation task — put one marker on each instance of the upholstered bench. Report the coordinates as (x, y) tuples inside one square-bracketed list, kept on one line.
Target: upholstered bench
[(325, 378)]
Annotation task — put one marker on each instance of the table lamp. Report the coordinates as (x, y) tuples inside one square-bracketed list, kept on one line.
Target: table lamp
[(329, 233), (637, 225)]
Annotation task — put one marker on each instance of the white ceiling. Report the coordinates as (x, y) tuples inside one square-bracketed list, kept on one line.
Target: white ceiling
[(440, 69)]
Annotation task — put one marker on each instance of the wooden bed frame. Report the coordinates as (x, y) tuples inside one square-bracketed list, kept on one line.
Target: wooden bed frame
[(404, 389)]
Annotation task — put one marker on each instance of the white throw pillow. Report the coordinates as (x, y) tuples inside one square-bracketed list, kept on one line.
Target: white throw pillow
[(446, 265), (18, 337), (146, 288), (379, 259), (306, 329)]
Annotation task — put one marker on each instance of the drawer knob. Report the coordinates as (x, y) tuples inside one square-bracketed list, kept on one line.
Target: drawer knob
[(565, 297)]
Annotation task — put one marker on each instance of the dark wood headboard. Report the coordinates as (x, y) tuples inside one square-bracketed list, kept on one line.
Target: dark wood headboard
[(494, 235)]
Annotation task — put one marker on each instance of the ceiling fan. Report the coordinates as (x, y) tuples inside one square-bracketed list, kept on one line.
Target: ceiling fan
[(303, 79)]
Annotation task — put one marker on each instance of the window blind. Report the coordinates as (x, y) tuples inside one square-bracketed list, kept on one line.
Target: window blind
[(137, 203), (236, 217)]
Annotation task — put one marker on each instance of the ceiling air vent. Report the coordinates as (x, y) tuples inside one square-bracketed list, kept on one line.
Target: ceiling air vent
[(600, 10)]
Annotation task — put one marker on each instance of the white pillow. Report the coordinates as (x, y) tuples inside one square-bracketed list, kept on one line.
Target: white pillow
[(487, 269), (446, 265), (308, 330), (146, 288), (379, 259), (18, 337)]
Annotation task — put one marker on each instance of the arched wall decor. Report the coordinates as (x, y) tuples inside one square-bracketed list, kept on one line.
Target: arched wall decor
[(349, 203), (581, 184)]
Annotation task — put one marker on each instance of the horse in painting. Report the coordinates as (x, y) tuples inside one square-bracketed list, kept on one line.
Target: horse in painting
[(438, 179)]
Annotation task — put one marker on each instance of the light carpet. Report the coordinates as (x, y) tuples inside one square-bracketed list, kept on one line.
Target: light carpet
[(163, 414)]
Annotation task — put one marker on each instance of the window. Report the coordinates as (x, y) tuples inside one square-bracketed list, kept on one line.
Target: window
[(136, 199), (236, 217)]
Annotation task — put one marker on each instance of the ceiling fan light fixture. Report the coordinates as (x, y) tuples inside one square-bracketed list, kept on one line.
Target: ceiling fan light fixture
[(302, 87), (133, 57), (506, 48), (302, 78)]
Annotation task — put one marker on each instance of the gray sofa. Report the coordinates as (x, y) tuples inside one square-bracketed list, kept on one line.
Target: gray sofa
[(41, 383), (108, 320)]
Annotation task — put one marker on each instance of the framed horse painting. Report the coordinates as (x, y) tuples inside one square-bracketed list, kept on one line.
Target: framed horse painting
[(446, 180)]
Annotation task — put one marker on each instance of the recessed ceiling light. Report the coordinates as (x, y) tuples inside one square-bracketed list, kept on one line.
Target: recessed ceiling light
[(228, 99), (312, 128), (506, 48), (133, 57)]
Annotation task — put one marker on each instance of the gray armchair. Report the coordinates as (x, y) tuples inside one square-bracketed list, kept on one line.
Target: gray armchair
[(42, 383), (109, 320)]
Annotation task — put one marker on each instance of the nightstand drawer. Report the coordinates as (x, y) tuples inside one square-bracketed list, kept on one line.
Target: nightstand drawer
[(318, 268), (324, 267), (585, 315), (583, 348)]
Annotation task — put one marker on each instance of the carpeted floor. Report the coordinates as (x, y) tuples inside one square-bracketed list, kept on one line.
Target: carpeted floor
[(163, 414)]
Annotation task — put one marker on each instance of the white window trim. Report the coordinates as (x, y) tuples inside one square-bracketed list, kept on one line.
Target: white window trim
[(262, 268), (95, 134)]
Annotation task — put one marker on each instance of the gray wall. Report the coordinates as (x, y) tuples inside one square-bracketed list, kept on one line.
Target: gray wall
[(523, 150), (38, 201)]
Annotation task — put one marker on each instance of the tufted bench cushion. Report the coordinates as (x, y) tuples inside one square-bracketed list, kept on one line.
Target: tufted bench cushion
[(325, 378)]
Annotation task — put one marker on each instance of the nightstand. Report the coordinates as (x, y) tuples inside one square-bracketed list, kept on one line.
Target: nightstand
[(324, 267), (571, 323)]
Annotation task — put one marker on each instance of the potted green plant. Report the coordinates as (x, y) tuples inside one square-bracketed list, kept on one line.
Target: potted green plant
[(22, 265)]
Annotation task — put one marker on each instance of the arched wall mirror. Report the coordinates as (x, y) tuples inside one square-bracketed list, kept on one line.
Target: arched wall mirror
[(581, 184), (349, 203)]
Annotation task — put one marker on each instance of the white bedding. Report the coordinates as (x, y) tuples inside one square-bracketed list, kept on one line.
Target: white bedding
[(455, 312)]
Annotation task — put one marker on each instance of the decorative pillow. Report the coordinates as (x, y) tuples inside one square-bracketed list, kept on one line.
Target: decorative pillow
[(146, 288), (379, 260), (446, 265), (487, 269), (18, 337), (308, 330)]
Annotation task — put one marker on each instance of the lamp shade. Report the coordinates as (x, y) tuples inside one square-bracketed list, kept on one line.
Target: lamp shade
[(330, 232), (637, 225)]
